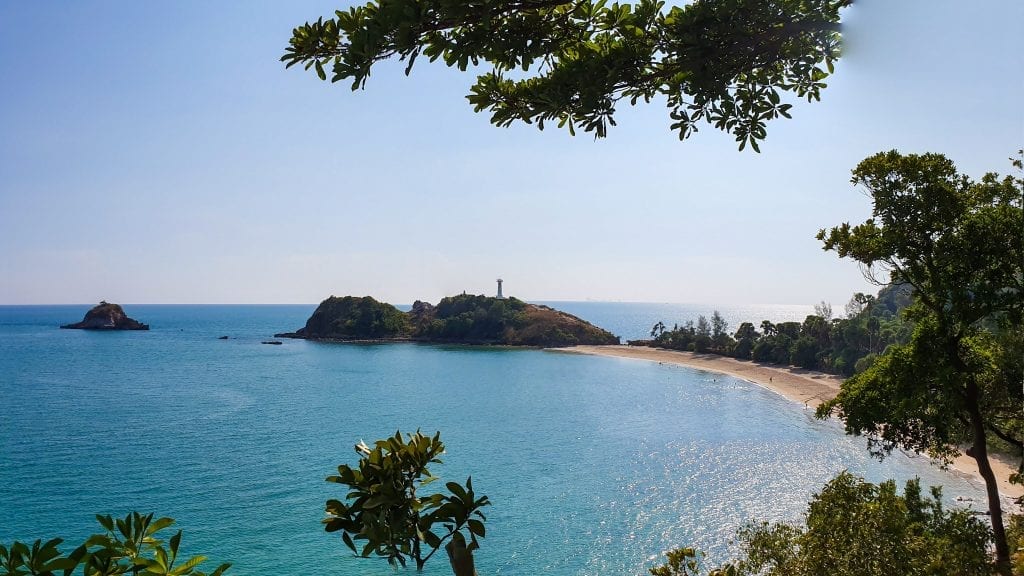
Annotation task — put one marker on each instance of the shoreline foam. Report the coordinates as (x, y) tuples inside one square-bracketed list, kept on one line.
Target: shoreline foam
[(795, 384)]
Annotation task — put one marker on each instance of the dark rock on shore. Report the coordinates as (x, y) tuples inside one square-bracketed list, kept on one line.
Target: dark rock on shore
[(107, 316), (462, 319)]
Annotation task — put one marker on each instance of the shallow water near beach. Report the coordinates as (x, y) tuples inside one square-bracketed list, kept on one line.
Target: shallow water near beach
[(594, 465)]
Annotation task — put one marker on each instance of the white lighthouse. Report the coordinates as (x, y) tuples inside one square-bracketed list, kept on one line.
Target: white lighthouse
[(500, 296)]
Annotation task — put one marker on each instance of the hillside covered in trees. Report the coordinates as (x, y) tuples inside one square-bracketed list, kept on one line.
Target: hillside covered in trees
[(462, 319)]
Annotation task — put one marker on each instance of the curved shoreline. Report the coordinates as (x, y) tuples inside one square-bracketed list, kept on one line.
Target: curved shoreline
[(795, 384)]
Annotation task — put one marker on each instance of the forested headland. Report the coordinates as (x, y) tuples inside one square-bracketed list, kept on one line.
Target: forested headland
[(460, 319)]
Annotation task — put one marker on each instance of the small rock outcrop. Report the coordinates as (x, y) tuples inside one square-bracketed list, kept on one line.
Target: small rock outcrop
[(106, 316), (421, 311)]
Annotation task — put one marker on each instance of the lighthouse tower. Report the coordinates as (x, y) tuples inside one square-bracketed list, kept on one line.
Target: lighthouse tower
[(500, 296)]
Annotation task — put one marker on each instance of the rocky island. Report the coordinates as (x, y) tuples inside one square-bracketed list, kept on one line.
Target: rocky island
[(463, 319), (106, 316)]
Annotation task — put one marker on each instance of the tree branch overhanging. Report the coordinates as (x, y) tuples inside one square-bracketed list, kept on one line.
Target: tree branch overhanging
[(721, 63)]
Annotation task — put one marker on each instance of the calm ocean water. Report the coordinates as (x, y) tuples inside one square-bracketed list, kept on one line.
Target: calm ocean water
[(594, 465)]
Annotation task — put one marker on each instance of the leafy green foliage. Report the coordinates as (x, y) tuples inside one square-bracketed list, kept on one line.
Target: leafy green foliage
[(941, 232), (462, 319), (836, 345), (746, 331), (1015, 534), (469, 317), (129, 545), (704, 336), (726, 63), (804, 353), (688, 562), (355, 318), (885, 402), (856, 528), (958, 242), (384, 512)]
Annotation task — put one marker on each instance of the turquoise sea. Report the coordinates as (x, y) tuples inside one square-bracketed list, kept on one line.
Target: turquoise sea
[(594, 465)]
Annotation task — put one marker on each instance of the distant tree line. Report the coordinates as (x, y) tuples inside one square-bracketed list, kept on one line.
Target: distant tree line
[(843, 346)]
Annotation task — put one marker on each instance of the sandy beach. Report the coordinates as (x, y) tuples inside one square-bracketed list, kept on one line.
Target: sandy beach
[(804, 386)]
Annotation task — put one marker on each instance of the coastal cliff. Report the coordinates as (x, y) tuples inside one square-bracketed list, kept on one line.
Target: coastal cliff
[(106, 316), (463, 319)]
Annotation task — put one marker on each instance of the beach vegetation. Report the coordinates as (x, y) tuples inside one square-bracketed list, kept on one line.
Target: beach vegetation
[(131, 545), (703, 327), (762, 350), (658, 329), (733, 66), (789, 329), (841, 346), (720, 338), (781, 352), (387, 513), (958, 243), (743, 349), (804, 353), (746, 331)]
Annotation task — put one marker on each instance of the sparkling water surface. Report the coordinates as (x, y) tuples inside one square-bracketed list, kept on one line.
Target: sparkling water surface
[(594, 465)]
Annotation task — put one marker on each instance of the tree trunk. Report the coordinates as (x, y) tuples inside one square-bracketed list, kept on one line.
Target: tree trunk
[(416, 552), (979, 451), (460, 556)]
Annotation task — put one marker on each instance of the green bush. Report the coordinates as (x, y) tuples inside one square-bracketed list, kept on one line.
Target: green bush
[(128, 546), (856, 528)]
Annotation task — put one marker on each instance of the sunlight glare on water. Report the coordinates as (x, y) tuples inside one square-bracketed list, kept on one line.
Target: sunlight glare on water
[(594, 465)]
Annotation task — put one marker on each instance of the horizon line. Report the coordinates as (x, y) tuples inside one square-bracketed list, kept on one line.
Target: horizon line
[(537, 300)]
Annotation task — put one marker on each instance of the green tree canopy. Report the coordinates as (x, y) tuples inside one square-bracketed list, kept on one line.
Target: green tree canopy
[(387, 514), (959, 244), (133, 545), (354, 317), (855, 528), (725, 63)]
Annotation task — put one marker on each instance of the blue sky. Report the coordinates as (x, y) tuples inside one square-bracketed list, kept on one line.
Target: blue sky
[(160, 153)]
